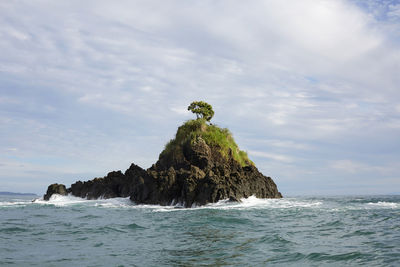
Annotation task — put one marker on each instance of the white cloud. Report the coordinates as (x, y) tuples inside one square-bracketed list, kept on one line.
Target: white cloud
[(394, 10), (180, 110), (90, 98), (272, 156), (146, 88), (287, 144), (305, 74), (354, 167)]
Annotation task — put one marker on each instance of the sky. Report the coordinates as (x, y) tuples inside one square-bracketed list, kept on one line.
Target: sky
[(309, 88)]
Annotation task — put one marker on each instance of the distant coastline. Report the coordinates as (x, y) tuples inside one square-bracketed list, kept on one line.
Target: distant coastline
[(17, 194)]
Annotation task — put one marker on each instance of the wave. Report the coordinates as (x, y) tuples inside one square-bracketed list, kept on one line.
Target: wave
[(13, 230), (251, 203), (384, 204), (13, 203), (246, 203), (61, 201)]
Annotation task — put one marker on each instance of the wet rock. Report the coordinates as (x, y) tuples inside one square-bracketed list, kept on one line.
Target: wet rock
[(55, 189)]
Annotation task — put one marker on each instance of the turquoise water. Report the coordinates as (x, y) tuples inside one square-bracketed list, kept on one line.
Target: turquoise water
[(298, 231)]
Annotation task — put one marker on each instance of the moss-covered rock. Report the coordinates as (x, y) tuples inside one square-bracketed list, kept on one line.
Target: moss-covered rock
[(195, 131)]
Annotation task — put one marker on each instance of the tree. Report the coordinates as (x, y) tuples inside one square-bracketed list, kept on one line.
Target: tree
[(202, 110)]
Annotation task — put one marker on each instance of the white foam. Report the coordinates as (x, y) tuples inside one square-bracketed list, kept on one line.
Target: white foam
[(276, 203), (248, 203), (59, 200), (70, 200), (118, 202), (14, 203), (384, 204)]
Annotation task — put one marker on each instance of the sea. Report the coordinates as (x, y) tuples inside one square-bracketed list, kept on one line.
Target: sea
[(292, 231)]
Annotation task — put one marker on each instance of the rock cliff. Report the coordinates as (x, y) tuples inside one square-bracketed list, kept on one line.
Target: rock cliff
[(201, 165)]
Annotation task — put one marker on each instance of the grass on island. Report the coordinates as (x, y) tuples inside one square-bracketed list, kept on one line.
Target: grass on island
[(212, 135)]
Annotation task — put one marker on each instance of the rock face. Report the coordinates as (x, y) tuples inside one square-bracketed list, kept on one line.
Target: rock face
[(192, 173), (55, 189)]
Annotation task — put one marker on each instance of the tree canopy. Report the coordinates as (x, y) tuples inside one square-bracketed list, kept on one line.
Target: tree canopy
[(202, 110)]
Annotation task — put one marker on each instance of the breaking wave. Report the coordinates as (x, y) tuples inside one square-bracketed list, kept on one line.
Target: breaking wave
[(245, 203)]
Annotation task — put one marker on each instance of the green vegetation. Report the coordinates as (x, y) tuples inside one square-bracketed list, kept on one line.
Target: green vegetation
[(202, 110), (215, 137)]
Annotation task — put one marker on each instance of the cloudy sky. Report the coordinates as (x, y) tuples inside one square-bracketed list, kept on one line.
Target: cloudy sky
[(309, 88)]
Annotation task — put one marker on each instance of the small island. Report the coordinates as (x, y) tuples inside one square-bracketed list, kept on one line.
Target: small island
[(201, 165)]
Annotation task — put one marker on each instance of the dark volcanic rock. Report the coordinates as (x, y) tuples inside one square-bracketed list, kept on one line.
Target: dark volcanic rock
[(191, 174), (55, 189), (201, 175), (203, 164), (114, 184)]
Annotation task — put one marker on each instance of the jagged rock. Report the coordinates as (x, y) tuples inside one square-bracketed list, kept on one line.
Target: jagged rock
[(55, 189), (114, 184), (191, 172)]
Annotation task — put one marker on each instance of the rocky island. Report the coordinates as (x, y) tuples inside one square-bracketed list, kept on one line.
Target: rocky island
[(201, 165)]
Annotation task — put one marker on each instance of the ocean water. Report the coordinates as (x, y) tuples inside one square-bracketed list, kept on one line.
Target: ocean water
[(293, 231)]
